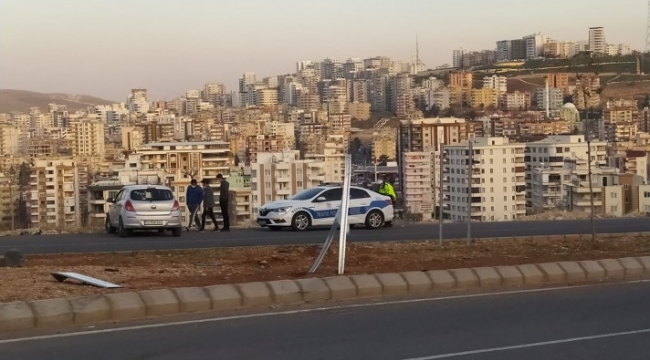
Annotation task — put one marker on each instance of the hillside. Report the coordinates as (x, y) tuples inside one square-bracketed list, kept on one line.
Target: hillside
[(21, 100)]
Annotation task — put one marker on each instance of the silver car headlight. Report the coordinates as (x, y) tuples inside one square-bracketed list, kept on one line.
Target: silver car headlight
[(282, 210)]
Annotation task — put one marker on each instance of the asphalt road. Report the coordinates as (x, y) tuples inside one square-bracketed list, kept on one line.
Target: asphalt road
[(598, 323), (81, 243)]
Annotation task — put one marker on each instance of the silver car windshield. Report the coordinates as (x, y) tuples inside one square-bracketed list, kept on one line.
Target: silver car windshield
[(152, 195)]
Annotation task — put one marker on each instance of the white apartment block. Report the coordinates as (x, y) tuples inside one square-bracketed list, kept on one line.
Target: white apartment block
[(87, 137), (278, 176), (535, 45), (555, 98), (54, 193), (597, 44), (497, 180), (420, 186), (551, 154), (496, 82), (332, 162), (516, 100)]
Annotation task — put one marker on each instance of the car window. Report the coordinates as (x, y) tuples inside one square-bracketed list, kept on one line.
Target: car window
[(333, 194), (152, 194), (118, 196), (306, 194), (358, 194)]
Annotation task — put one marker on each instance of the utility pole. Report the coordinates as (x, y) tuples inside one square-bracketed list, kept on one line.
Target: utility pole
[(441, 205), (591, 190), (470, 162), (12, 174)]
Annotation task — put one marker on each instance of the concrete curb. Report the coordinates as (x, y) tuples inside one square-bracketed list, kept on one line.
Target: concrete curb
[(95, 309)]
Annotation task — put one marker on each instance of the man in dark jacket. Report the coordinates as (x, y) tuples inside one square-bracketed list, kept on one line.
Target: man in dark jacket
[(224, 194), (208, 205), (193, 199)]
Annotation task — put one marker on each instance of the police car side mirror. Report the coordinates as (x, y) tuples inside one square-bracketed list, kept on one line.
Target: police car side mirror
[(321, 199)]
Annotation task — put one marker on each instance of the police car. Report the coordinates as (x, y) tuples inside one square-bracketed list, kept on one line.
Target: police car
[(318, 206)]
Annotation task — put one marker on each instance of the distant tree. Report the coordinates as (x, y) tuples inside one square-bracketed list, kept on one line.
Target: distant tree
[(236, 160), (383, 160), (247, 155)]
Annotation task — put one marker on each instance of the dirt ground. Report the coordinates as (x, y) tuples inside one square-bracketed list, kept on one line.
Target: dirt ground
[(152, 270)]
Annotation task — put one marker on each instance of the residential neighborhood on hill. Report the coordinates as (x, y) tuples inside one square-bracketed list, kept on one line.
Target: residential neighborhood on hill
[(548, 130)]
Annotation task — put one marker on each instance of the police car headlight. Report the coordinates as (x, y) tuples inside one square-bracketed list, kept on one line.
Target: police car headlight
[(282, 210)]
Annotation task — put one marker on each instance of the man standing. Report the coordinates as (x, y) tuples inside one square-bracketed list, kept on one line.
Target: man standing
[(208, 205), (224, 191), (193, 199)]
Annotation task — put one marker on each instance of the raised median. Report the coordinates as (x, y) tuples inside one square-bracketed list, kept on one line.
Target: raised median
[(164, 283)]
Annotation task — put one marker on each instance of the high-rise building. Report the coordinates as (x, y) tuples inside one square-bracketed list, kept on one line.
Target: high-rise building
[(597, 44), (87, 138), (54, 193), (494, 190), (504, 50), (12, 138), (535, 45), (496, 82)]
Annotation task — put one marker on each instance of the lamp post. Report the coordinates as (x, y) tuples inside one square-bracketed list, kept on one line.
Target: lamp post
[(12, 174)]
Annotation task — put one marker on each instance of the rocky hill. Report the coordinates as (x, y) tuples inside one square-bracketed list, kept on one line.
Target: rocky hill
[(22, 100)]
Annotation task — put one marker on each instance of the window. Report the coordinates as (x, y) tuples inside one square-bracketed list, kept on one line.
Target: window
[(614, 208), (307, 194), (613, 195), (358, 194), (646, 194), (299, 184), (332, 195)]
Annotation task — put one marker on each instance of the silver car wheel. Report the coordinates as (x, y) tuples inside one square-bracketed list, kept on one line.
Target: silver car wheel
[(301, 221), (374, 220)]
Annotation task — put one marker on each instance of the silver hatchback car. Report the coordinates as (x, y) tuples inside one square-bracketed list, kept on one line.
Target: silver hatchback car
[(144, 207)]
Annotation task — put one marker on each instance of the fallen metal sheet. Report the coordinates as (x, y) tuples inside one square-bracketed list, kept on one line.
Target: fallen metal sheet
[(62, 276)]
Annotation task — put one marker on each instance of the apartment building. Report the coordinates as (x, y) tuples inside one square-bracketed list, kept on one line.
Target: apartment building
[(277, 176), (12, 139), (420, 186), (266, 143), (384, 143), (9, 199), (499, 83), (631, 162), (54, 194), (331, 160), (555, 98), (359, 110), (552, 153), (202, 159), (87, 138), (485, 97), (597, 43), (516, 100), (428, 134), (460, 85), (497, 190), (240, 206)]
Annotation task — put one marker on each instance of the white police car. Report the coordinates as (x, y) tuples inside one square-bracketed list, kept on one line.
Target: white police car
[(318, 206)]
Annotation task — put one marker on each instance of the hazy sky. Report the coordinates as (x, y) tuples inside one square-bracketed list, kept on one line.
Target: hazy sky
[(106, 47)]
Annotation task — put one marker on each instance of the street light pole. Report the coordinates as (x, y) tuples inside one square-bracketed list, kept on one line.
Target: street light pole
[(441, 204), (470, 161)]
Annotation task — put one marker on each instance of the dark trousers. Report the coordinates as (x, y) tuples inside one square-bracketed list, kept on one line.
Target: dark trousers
[(223, 204), (209, 212), (194, 210)]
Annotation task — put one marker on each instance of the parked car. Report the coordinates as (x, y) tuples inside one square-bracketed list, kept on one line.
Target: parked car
[(144, 207), (318, 206)]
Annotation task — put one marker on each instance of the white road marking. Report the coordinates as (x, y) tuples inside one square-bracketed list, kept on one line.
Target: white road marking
[(293, 312), (532, 345)]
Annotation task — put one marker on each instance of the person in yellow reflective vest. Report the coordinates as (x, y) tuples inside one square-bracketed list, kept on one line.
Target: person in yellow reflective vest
[(385, 188)]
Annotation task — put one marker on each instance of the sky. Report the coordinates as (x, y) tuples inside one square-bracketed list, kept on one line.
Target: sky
[(106, 47)]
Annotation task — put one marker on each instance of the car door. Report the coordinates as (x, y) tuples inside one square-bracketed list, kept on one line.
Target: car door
[(325, 211), (359, 205), (113, 211)]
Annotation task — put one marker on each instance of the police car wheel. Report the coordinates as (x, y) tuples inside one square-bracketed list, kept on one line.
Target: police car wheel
[(375, 220), (300, 221)]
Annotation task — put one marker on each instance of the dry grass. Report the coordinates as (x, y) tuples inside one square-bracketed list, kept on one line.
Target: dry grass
[(151, 270)]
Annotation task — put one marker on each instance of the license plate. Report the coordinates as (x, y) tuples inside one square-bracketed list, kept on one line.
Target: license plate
[(153, 222)]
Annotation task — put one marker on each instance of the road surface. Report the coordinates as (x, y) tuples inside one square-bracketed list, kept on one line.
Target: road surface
[(598, 323), (77, 243)]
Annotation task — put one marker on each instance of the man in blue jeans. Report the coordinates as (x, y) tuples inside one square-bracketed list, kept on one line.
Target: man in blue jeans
[(193, 199)]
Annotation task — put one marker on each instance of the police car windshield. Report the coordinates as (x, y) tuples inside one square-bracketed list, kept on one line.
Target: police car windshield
[(306, 194)]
